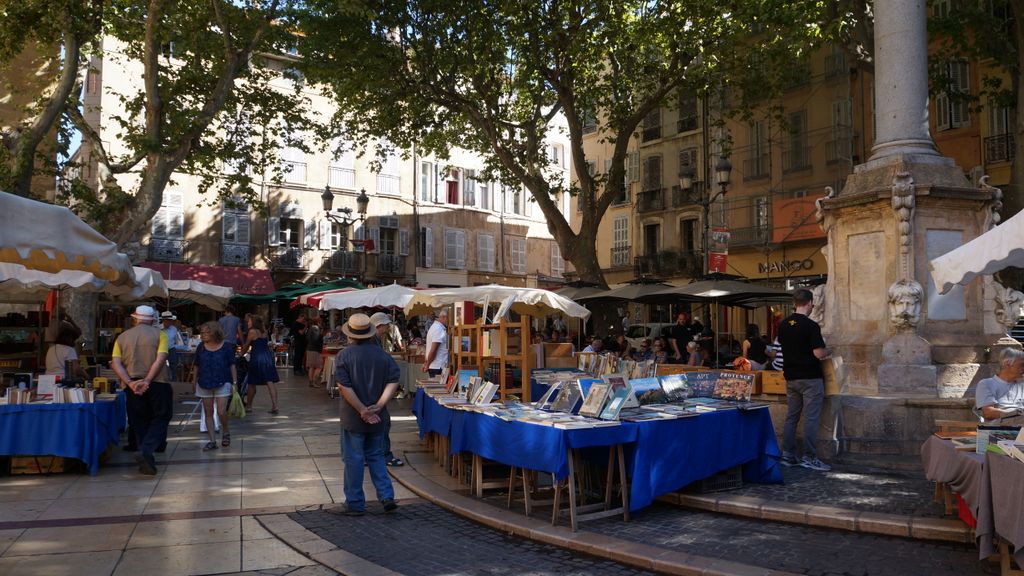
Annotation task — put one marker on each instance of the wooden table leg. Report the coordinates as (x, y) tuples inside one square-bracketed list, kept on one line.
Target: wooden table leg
[(478, 476), (572, 490), (623, 483)]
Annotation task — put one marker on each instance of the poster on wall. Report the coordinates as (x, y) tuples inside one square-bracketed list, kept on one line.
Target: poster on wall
[(718, 250)]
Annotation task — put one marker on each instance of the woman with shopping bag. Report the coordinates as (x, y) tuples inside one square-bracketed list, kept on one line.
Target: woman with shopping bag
[(214, 380)]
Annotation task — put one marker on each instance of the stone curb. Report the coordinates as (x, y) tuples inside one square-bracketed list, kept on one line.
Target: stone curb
[(634, 554), (316, 548), (827, 516)]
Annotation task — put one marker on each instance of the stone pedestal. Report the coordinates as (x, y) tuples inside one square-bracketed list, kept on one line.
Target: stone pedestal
[(907, 369)]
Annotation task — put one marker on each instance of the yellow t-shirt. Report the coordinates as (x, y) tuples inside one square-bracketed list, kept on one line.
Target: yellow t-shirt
[(160, 348)]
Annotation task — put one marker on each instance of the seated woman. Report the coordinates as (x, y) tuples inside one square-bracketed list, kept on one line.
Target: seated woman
[(62, 351), (755, 349), (659, 351), (696, 354)]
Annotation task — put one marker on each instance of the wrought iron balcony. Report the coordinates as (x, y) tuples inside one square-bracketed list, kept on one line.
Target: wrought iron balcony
[(288, 258), (345, 262), (621, 256), (999, 148), (651, 200), (391, 264), (796, 159), (686, 124), (751, 236), (165, 250), (650, 133), (668, 263), (691, 197), (756, 167), (235, 254)]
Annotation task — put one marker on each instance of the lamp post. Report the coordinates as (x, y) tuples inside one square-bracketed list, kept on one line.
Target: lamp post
[(343, 215), (723, 171)]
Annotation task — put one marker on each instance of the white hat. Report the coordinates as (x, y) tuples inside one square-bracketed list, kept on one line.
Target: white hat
[(144, 313), (168, 315), (379, 319), (358, 327)]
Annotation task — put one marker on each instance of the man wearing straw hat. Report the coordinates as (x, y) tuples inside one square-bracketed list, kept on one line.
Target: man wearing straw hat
[(140, 355), (367, 378)]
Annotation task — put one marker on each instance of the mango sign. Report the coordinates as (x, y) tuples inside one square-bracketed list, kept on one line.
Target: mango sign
[(793, 219)]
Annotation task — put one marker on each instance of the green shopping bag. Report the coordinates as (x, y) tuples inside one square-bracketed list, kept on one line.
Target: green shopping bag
[(236, 409)]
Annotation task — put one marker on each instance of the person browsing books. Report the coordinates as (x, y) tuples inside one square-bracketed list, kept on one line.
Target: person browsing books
[(805, 382), (437, 344), (1002, 395), (367, 378), (140, 359), (214, 378)]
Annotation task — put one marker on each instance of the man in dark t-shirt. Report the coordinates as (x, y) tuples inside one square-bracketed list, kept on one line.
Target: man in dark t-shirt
[(801, 338), (682, 333), (298, 332), (367, 378)]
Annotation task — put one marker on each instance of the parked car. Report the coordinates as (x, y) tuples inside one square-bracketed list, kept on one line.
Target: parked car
[(636, 333)]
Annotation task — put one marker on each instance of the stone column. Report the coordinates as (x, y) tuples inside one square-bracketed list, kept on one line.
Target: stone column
[(901, 79)]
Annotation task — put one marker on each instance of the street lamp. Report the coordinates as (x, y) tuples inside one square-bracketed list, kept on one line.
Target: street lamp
[(723, 171), (343, 215)]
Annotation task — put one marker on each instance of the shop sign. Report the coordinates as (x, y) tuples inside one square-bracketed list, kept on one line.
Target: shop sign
[(794, 219), (784, 267)]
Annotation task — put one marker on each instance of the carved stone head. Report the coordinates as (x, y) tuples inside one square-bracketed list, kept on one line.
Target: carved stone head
[(1008, 305), (905, 303)]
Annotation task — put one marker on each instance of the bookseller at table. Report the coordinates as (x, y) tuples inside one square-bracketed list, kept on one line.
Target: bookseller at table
[(437, 345), (1002, 395), (140, 361), (367, 378)]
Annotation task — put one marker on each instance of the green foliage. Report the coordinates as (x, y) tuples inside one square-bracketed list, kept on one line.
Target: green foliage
[(493, 77)]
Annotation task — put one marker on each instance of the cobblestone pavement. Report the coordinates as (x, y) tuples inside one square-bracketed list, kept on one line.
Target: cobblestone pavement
[(423, 539), (908, 495), (793, 548)]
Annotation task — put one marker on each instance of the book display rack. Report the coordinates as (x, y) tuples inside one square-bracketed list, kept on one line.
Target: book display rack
[(499, 353)]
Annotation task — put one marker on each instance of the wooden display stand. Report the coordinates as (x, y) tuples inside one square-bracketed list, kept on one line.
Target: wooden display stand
[(476, 349)]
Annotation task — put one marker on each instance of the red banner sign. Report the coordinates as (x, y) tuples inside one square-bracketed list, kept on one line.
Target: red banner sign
[(718, 250)]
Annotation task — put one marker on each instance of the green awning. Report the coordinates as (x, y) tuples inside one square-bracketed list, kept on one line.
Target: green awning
[(293, 291)]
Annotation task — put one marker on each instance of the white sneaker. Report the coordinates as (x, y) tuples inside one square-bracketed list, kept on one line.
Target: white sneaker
[(789, 460), (814, 464)]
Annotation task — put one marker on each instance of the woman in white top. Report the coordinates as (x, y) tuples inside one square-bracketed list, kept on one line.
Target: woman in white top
[(63, 350)]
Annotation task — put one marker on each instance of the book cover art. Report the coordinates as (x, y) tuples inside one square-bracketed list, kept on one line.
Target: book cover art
[(702, 384), (594, 402), (549, 397), (648, 391), (485, 393), (617, 381), (675, 387), (569, 398), (616, 402), (734, 386), (586, 383)]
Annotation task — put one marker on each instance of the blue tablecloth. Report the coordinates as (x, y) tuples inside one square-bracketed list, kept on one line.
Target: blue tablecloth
[(670, 454), (80, 431), (661, 455)]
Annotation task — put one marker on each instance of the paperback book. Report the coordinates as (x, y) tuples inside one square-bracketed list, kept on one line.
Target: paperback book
[(595, 400), (616, 402), (648, 391), (569, 397), (675, 387)]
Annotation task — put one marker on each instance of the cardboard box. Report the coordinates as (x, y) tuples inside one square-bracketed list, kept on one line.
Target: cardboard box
[(835, 375), (37, 465), (772, 382)]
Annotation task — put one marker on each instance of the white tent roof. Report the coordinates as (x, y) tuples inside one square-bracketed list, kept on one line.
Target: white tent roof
[(209, 295), (532, 301), (149, 284), (381, 297), (18, 281), (52, 239), (1000, 247)]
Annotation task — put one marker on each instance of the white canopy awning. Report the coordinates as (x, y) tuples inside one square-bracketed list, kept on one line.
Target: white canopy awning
[(532, 301), (1000, 247), (52, 239), (209, 295), (149, 284), (19, 282), (382, 297)]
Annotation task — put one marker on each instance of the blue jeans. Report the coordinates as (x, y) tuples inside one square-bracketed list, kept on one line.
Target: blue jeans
[(803, 396), (356, 449)]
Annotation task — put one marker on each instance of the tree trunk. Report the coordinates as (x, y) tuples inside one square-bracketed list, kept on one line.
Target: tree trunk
[(133, 219)]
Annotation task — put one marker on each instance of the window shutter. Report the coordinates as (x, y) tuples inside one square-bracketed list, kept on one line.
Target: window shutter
[(941, 111), (403, 242), (557, 265), (460, 249), (160, 224), (325, 234), (358, 235), (273, 231), (309, 234), (960, 78), (428, 248), (375, 238), (449, 249), (632, 167), (229, 227), (242, 224)]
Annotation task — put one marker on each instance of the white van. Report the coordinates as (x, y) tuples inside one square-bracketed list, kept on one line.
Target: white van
[(636, 333)]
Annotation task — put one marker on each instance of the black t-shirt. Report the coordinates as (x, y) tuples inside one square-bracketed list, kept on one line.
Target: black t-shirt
[(299, 338), (683, 334), (757, 351), (799, 337)]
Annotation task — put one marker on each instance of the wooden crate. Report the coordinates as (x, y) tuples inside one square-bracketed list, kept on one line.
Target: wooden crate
[(37, 465), (772, 382)]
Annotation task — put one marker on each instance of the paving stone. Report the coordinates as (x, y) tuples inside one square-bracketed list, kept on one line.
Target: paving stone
[(422, 539)]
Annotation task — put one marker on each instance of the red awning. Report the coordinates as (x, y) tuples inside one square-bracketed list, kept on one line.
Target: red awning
[(241, 280)]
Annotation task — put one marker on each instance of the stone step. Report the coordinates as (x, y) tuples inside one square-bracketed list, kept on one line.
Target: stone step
[(920, 528)]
